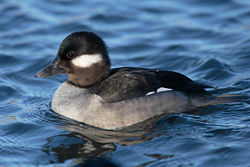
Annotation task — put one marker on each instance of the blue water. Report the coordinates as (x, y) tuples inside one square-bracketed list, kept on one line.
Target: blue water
[(207, 40)]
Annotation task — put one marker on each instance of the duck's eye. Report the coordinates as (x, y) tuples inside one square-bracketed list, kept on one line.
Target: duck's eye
[(71, 55)]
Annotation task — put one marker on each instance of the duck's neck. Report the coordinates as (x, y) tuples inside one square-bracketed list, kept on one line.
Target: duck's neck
[(87, 77)]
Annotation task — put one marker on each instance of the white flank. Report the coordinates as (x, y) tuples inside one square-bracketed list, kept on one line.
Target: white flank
[(161, 89), (85, 61)]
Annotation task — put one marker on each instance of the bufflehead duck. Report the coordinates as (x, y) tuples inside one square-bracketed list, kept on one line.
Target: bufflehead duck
[(116, 98)]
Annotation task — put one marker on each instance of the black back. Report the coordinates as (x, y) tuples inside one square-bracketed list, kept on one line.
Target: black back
[(128, 82)]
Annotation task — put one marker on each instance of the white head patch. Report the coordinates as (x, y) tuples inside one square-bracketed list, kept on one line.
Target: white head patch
[(85, 61)]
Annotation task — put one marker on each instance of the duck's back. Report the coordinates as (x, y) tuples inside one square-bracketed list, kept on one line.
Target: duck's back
[(128, 83)]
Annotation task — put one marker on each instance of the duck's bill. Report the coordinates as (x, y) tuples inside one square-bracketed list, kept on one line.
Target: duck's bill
[(51, 70)]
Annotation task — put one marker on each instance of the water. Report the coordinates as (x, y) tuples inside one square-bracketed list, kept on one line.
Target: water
[(207, 40)]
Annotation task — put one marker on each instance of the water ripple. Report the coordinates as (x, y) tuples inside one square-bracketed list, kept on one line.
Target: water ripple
[(207, 40)]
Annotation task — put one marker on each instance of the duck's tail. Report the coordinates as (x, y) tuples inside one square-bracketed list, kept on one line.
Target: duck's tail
[(204, 100), (232, 98)]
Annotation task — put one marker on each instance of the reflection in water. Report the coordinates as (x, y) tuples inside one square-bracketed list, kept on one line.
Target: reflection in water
[(74, 146), (84, 142), (97, 163)]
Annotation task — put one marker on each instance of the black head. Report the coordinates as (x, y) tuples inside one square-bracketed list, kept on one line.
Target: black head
[(82, 43), (83, 57)]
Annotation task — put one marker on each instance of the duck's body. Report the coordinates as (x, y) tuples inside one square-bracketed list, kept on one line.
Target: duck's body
[(93, 110), (116, 98), (121, 100)]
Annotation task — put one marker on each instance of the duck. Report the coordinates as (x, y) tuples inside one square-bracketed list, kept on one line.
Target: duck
[(114, 98)]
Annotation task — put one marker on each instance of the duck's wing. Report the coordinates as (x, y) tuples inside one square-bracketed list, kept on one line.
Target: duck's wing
[(126, 83)]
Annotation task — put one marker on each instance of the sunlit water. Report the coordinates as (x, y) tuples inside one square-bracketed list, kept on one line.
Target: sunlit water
[(207, 40)]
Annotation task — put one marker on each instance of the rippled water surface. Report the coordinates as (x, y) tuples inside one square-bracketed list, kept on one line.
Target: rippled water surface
[(208, 40)]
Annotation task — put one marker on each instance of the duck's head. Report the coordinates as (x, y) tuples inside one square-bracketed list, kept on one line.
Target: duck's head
[(83, 57)]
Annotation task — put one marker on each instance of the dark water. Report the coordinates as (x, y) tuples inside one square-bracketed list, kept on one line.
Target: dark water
[(208, 40)]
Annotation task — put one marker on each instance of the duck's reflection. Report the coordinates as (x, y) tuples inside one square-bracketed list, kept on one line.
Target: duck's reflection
[(84, 142)]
